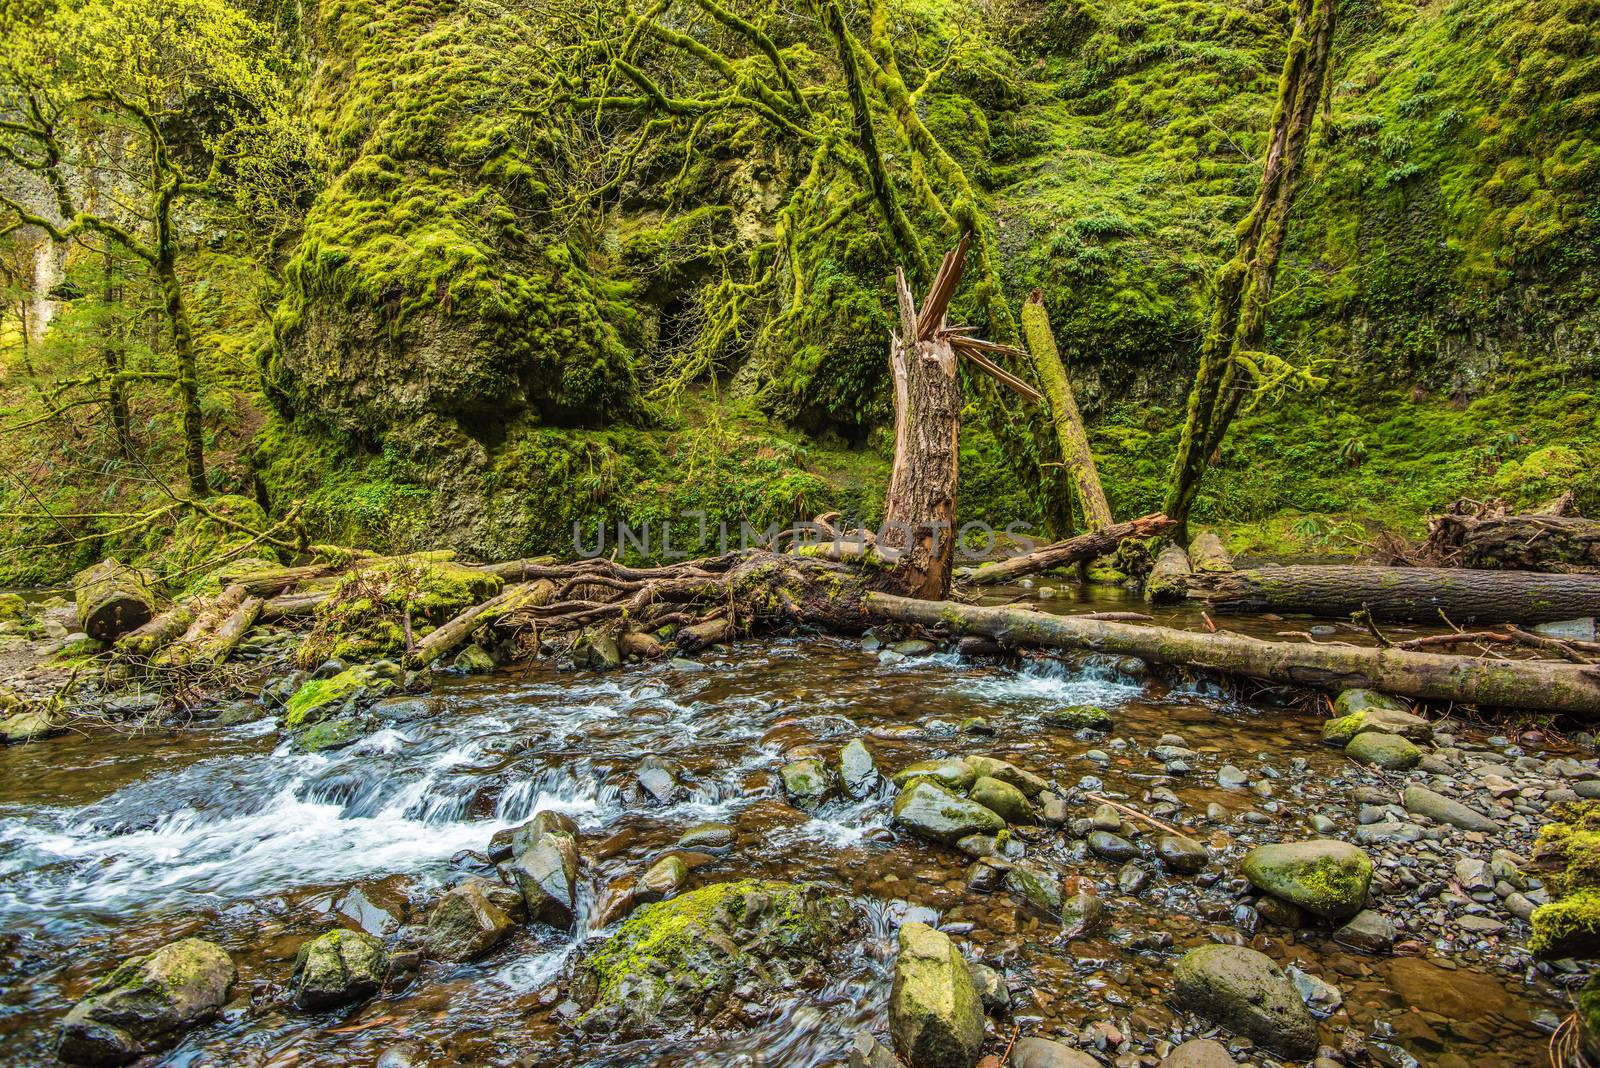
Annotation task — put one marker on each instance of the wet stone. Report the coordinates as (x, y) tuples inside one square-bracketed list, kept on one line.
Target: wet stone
[(465, 923), (1112, 847), (1199, 1053), (1323, 876), (1027, 782), (1389, 752), (1040, 889), (1003, 799), (146, 1004), (1182, 854), (1368, 931), (806, 782), (710, 836), (930, 811), (1033, 1052), (858, 772), (955, 774), (1133, 877), (663, 879), (935, 1014), (337, 968), (1244, 991), (1420, 801)]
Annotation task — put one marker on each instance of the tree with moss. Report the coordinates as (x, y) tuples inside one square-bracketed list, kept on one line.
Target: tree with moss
[(1233, 365), (140, 103)]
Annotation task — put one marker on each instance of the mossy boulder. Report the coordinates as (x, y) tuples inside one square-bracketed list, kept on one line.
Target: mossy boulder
[(1375, 718), (1390, 752), (930, 811), (28, 725), (1567, 854), (677, 963), (473, 660), (806, 782), (13, 609), (330, 734), (1244, 991), (954, 773), (147, 1003), (1003, 799), (338, 968), (1030, 784), (935, 1013), (1079, 717), (1324, 876), (321, 699), (367, 615), (1356, 700)]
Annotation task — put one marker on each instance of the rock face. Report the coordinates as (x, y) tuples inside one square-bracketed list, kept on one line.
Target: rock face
[(1420, 801), (935, 1014), (931, 811), (147, 1003), (1245, 992), (467, 922), (1387, 751), (1327, 877), (678, 963), (337, 968)]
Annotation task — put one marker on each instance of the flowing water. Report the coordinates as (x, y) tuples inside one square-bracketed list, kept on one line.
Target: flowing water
[(112, 845)]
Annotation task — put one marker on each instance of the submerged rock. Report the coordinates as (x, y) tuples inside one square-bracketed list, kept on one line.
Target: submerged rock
[(1037, 1052), (337, 968), (1040, 889), (470, 919), (692, 959), (1244, 991), (1324, 876), (935, 1013), (146, 1004), (1003, 799), (1079, 717), (929, 810)]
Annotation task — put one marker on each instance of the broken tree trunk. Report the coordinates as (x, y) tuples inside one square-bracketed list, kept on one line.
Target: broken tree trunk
[(1168, 577), (233, 610), (112, 599), (1064, 415), (1207, 555), (919, 534), (1521, 684), (1519, 542), (292, 606), (1403, 593), (145, 641), (1083, 548), (449, 635)]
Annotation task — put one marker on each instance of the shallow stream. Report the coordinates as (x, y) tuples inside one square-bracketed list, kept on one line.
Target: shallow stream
[(112, 845)]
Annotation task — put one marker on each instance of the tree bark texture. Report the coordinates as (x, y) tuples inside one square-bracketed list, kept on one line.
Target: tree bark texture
[(1519, 542), (1168, 576), (1077, 550), (1064, 415), (1418, 594), (1207, 554), (112, 599), (159, 632), (1520, 684)]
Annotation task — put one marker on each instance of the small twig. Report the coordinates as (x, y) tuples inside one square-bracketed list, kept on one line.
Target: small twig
[(1136, 814), (1015, 1030)]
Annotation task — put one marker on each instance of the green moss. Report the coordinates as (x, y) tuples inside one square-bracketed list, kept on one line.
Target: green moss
[(318, 698), (1567, 928), (1333, 880), (370, 610)]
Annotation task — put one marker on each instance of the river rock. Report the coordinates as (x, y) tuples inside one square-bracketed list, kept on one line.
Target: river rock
[(337, 968), (929, 810), (338, 695), (867, 1052), (953, 773), (858, 772), (1030, 784), (707, 836), (547, 874), (1034, 1052), (662, 879), (1112, 847), (27, 726), (1324, 876), (1003, 799), (1342, 729), (805, 783), (1079, 717), (1040, 889), (466, 923), (596, 648), (1244, 991), (473, 660), (1351, 701), (1389, 752), (1420, 801), (146, 1004), (677, 963), (1368, 931), (1319, 995), (1200, 1053), (1182, 854), (1081, 908), (991, 986), (935, 1014), (659, 781)]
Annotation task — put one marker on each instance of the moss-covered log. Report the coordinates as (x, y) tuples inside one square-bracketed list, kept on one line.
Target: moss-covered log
[(1207, 554), (1077, 550), (445, 638), (1402, 593), (162, 630), (1168, 577), (1519, 542), (1529, 685), (112, 599), (200, 643), (1068, 423)]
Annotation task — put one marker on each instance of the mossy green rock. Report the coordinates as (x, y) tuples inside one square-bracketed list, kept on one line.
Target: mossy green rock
[(321, 699), (1350, 702), (927, 809), (1567, 928), (1040, 889), (955, 773), (1244, 991), (1567, 854), (1389, 752), (1324, 876), (935, 1013), (1003, 799), (1079, 717), (12, 608), (1030, 784), (1343, 729), (473, 660), (674, 963), (28, 726), (806, 782), (331, 734), (337, 968), (662, 879), (147, 1003)]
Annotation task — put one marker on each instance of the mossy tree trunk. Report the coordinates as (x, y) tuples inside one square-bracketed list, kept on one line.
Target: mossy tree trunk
[(1064, 416), (1230, 353)]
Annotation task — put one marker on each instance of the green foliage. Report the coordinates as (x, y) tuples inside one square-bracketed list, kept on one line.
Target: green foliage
[(381, 609)]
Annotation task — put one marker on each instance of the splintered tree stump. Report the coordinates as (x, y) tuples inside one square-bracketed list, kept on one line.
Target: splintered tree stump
[(112, 599), (1417, 594), (1168, 576), (1515, 542)]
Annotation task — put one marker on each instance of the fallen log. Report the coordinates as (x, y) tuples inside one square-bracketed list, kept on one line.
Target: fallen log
[(1517, 542), (1402, 593), (112, 599), (1168, 577), (1207, 554), (143, 642), (444, 639), (209, 617), (1539, 685), (1082, 548), (292, 606), (217, 646), (517, 570)]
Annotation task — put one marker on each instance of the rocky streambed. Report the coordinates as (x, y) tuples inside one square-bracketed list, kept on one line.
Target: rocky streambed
[(746, 859)]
